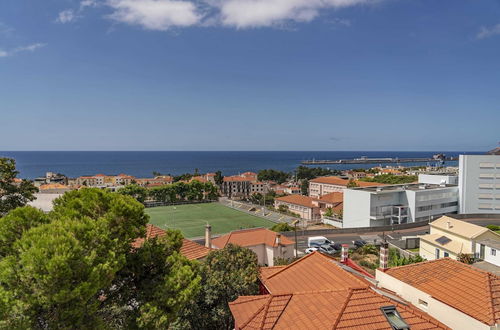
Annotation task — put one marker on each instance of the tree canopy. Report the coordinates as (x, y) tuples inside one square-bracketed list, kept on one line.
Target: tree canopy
[(273, 175), (74, 267), (13, 194)]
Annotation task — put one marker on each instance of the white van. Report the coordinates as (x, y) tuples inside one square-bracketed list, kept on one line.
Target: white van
[(318, 240)]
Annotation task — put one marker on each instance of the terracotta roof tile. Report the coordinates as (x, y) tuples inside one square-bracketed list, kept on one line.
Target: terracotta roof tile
[(463, 287), (313, 272), (250, 237), (329, 309), (332, 198), (189, 249), (298, 200)]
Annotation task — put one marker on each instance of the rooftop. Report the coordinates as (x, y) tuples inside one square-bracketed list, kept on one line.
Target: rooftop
[(250, 237), (472, 291), (334, 197), (451, 245), (402, 187), (458, 227), (491, 243), (312, 272), (335, 180), (329, 309), (297, 200)]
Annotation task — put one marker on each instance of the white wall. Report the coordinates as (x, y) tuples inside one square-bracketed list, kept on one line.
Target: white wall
[(444, 313), (479, 183), (356, 208), (488, 254), (437, 179)]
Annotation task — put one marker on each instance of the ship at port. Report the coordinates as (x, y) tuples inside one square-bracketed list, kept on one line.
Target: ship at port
[(437, 158)]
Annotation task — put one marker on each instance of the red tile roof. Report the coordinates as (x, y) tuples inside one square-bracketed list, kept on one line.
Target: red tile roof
[(297, 200), (312, 272), (333, 198), (329, 309), (250, 237), (463, 287), (335, 180), (236, 178), (189, 249)]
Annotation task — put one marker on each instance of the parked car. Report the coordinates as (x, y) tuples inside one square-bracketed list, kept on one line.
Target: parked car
[(318, 240), (359, 243), (337, 246), (310, 250), (326, 248)]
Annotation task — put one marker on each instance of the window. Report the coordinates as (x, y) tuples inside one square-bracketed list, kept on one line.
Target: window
[(493, 252), (394, 318), (446, 254), (437, 254)]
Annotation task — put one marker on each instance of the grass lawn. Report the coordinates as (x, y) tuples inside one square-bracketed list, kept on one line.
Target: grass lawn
[(191, 219)]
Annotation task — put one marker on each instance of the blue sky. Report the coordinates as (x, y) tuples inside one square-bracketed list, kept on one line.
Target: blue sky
[(249, 74)]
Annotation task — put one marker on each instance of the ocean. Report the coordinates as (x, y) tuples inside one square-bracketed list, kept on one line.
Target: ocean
[(33, 164)]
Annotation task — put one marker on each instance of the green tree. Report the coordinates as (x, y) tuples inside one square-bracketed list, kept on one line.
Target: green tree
[(308, 173), (226, 274), (13, 194), (74, 267), (218, 178), (282, 226), (273, 175), (329, 212), (135, 191), (391, 179), (352, 184), (304, 187)]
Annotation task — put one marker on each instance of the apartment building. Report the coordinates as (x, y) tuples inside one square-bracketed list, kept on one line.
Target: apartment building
[(397, 204), (449, 237), (479, 183), (328, 184), (236, 186)]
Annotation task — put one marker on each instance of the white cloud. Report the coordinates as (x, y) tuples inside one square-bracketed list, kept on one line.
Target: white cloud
[(155, 14), (88, 3), (66, 16), (29, 48), (486, 32), (262, 13)]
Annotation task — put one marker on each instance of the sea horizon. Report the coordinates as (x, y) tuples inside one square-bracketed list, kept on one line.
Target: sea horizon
[(32, 164)]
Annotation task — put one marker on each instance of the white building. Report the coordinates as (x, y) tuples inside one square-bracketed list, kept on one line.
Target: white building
[(397, 204), (438, 179), (488, 250), (479, 183)]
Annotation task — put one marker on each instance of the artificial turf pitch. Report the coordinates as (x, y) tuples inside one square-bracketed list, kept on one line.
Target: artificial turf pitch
[(191, 219)]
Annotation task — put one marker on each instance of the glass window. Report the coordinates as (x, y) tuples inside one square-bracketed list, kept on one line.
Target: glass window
[(394, 318), (446, 254), (493, 252)]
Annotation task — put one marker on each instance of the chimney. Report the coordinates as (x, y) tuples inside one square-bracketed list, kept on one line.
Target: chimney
[(384, 256), (208, 236), (345, 253), (448, 224)]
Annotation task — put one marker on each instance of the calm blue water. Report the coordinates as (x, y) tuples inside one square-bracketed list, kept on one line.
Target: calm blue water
[(32, 164)]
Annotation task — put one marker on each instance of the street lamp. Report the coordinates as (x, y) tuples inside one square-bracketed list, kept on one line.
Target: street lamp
[(294, 223)]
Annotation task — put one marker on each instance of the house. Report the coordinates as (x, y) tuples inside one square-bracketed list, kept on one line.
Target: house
[(316, 292), (334, 201), (156, 181), (448, 237), (266, 243), (304, 206), (189, 249), (328, 184), (488, 250), (458, 295), (258, 187)]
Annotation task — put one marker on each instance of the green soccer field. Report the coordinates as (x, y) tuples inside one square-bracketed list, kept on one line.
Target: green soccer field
[(191, 219)]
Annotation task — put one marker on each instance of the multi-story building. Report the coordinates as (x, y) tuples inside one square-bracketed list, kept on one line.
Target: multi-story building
[(328, 184), (51, 177), (156, 181), (479, 183), (397, 204), (236, 187)]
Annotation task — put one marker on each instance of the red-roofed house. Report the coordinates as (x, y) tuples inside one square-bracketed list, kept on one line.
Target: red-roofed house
[(328, 184), (459, 295), (306, 207), (315, 292), (266, 243)]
